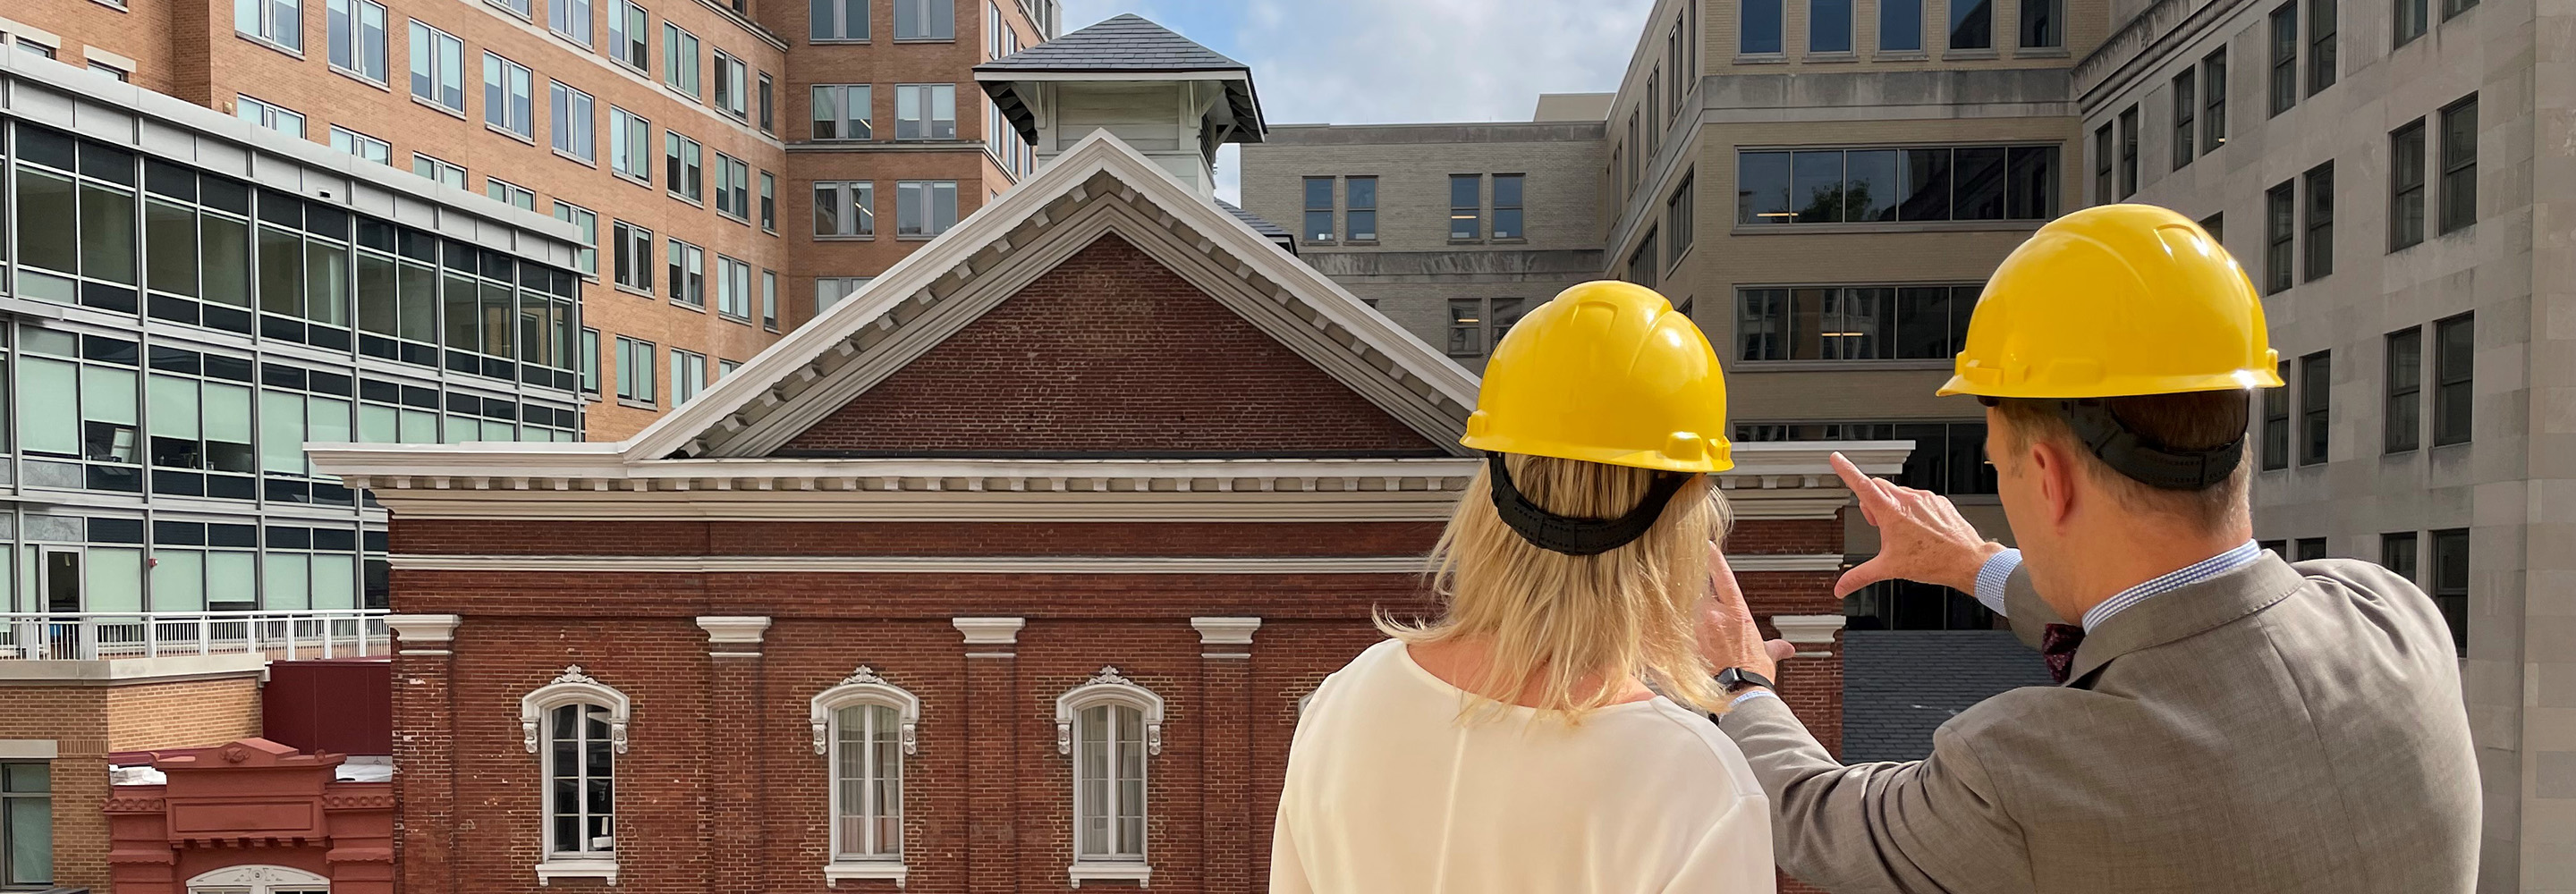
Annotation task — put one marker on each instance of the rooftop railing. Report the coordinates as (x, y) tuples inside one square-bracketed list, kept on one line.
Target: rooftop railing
[(278, 635)]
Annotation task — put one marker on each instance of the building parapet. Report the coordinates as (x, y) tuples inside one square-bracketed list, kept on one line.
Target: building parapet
[(1447, 133)]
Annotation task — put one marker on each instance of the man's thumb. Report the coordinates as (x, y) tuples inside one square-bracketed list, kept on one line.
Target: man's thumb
[(1862, 575)]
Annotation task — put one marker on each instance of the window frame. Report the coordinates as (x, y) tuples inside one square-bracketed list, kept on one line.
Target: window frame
[(2450, 591), (854, 217), (1680, 216), (683, 169), (267, 29), (573, 688), (2454, 380), (2407, 184), (2285, 56), (1112, 689), (638, 388), (842, 124), (2213, 91), (685, 266), (350, 141), (352, 15), (686, 81), (2027, 189), (626, 18), (2316, 222), (841, 35), (9, 795), (2402, 389), (1773, 21), (929, 190), (2316, 408), (1354, 212), (2408, 20), (2276, 420), (2321, 43), (564, 125), (631, 269), (561, 21), (863, 688), (2051, 24), (2459, 169), (2129, 151), (933, 15), (732, 76), (2280, 232), (2186, 109), (432, 49), (517, 85), (926, 97), (1472, 215), (1331, 231)]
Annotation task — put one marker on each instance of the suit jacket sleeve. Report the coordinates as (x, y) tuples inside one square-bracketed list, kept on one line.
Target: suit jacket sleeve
[(1934, 826), (2022, 606)]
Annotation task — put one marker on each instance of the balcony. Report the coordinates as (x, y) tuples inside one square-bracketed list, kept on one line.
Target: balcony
[(251, 635)]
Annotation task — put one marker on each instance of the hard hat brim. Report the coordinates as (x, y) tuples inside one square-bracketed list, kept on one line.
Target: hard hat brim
[(1719, 458), (2239, 380)]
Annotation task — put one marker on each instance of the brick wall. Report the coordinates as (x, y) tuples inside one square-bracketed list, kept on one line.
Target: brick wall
[(86, 723), (1110, 353), (644, 538)]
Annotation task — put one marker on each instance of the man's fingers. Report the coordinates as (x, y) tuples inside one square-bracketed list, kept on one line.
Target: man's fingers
[(1729, 594), (1862, 575), (1872, 500)]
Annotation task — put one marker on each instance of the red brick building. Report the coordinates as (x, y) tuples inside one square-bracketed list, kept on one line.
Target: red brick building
[(1007, 573), (254, 816)]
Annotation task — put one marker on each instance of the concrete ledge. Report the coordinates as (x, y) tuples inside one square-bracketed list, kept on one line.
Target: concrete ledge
[(129, 670)]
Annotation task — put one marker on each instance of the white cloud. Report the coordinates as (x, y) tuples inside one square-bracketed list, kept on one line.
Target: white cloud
[(1396, 61)]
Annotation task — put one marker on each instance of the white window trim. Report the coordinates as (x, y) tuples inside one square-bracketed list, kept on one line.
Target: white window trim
[(864, 687), (259, 879), (573, 687), (1109, 687)]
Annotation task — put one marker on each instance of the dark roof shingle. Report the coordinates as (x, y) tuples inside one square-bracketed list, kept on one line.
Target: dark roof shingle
[(1900, 685), (1122, 43)]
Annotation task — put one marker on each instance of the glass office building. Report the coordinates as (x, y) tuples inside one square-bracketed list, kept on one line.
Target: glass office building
[(188, 300)]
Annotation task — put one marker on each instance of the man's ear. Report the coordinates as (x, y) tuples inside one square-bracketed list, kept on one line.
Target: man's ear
[(2053, 470)]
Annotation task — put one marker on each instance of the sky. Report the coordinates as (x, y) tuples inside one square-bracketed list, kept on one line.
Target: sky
[(1391, 61)]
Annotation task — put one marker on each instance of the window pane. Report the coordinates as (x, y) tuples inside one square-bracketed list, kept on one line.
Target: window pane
[(1900, 24), (1760, 26), (1981, 184), (1923, 323), (1829, 26), (1972, 25), (1873, 180), (1817, 186), (1927, 173)]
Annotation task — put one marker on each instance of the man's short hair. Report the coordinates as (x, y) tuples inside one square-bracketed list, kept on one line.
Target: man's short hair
[(2193, 420)]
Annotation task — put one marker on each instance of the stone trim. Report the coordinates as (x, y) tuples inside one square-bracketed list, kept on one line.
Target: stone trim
[(1809, 630), (1230, 631), (990, 631), (740, 632)]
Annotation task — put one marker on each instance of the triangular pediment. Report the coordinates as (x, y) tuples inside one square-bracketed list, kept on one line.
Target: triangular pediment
[(921, 361)]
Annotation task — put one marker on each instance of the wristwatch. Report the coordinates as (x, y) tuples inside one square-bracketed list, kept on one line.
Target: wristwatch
[(1736, 679)]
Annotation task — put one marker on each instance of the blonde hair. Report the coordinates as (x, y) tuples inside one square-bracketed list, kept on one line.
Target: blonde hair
[(1555, 619)]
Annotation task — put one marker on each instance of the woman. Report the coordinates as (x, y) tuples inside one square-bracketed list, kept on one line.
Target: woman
[(1514, 744)]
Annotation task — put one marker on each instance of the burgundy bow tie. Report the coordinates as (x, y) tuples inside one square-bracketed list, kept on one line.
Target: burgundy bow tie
[(2057, 647)]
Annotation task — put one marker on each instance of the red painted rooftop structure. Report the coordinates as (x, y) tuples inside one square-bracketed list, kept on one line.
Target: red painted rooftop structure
[(252, 814)]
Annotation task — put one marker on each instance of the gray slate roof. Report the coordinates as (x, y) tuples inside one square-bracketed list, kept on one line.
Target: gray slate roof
[(1900, 685), (1267, 229), (1122, 43)]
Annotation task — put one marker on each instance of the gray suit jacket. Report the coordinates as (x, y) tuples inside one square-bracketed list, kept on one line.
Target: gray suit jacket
[(2289, 730)]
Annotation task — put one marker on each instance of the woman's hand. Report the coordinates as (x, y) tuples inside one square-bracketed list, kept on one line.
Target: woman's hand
[(1728, 636)]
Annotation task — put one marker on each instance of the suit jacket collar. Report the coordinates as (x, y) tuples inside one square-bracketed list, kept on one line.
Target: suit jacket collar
[(2184, 612)]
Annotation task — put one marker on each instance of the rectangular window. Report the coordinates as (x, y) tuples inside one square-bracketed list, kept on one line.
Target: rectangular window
[(1641, 263), (2454, 372), (836, 20), (682, 166), (1359, 211), (2410, 22), (280, 22), (2276, 422), (1466, 206), (2216, 226), (925, 207), (2406, 185), (2321, 45), (2285, 57), (573, 116), (2398, 552), (587, 260), (2316, 389), (508, 193), (435, 169), (925, 111), (2405, 414), (508, 103), (769, 201), (637, 363), (1903, 322), (1829, 27), (2213, 123), (517, 6), (2451, 583), (925, 20), (1948, 457), (830, 290), (2319, 260), (1900, 25), (733, 86), (2185, 107), (630, 34), (1972, 25), (1466, 327), (2103, 149), (688, 375), (589, 360), (270, 115), (680, 60), (733, 288), (1677, 216), (2306, 548), (1319, 209), (768, 100), (27, 804), (633, 246), (769, 300), (687, 265), (570, 18), (841, 112), (2129, 152), (1758, 27), (1886, 185), (866, 768), (2460, 164), (2279, 231), (845, 209), (630, 145), (1108, 783), (357, 38), (733, 187), (2452, 8), (1507, 206), (2040, 26), (362, 145)]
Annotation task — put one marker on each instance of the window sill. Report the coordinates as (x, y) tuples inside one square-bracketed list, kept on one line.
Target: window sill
[(914, 238), (458, 114), (646, 182), (1357, 241), (575, 159), (1946, 226), (561, 867), (1959, 55), (1900, 56), (1761, 58), (701, 308), (1317, 242), (639, 405), (1840, 365), (360, 78), (271, 44), (1831, 56), (950, 39), (730, 318), (631, 290), (1140, 873), (846, 237), (528, 138), (837, 41), (872, 870), (2040, 53), (736, 218), (677, 196), (1453, 240)]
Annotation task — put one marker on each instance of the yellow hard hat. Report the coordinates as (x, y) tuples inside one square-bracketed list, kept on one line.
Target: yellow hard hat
[(1606, 372), (2116, 301)]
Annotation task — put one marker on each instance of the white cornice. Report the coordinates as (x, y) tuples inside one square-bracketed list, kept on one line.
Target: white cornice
[(1228, 631), (990, 631), (917, 565)]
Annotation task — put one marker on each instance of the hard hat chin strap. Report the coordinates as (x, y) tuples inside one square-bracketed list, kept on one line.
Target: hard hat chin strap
[(1578, 536), (2155, 465)]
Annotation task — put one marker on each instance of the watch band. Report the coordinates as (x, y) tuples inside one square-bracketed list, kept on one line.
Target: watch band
[(1734, 679)]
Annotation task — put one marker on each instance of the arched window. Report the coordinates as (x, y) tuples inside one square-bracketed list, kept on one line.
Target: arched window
[(863, 727), (1109, 725), (259, 880), (577, 727)]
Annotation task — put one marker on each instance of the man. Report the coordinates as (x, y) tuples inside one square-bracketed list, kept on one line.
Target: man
[(2227, 722)]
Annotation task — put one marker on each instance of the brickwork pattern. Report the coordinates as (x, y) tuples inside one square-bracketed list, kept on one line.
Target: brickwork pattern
[(647, 538), (1111, 353), (86, 723)]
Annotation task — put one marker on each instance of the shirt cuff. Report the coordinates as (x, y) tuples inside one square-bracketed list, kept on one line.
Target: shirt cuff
[(1750, 695), (1993, 576)]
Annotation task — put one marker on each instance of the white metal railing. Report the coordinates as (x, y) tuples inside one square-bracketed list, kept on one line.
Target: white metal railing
[(279, 635)]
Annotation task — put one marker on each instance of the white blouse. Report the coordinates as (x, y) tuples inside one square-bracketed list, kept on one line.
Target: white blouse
[(1387, 791)]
